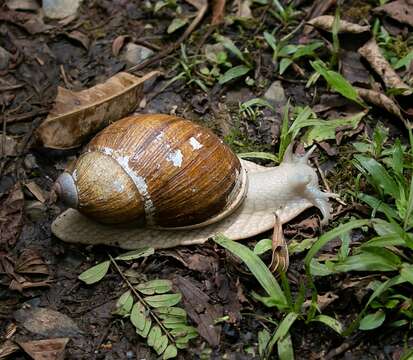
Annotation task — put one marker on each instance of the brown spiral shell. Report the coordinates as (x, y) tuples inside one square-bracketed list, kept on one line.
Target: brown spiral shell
[(159, 170)]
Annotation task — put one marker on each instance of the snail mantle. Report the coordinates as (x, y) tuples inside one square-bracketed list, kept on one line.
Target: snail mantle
[(162, 181)]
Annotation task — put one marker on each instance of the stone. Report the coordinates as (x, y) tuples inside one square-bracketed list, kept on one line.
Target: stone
[(47, 322), (275, 94), (136, 54), (60, 9)]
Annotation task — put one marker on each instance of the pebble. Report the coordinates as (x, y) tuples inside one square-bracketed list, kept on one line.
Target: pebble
[(136, 54), (59, 9), (275, 94)]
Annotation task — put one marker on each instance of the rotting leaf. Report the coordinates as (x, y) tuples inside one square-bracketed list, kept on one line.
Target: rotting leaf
[(218, 12), (371, 52), (48, 349), (95, 273), (176, 24), (325, 22), (11, 216), (30, 262), (400, 10), (78, 115)]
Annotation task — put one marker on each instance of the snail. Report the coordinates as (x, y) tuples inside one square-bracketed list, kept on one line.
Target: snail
[(161, 181)]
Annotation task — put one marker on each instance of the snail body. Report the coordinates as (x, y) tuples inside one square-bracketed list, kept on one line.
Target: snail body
[(232, 196)]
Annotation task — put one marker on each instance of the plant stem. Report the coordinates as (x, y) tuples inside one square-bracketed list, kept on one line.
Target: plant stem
[(140, 298)]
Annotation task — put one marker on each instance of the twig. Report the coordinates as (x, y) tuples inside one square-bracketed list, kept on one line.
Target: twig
[(201, 12), (11, 87), (140, 298), (28, 115)]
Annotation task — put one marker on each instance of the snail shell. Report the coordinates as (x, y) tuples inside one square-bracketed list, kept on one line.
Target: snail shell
[(159, 170)]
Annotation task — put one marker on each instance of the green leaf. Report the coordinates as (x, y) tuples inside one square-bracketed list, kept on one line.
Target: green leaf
[(157, 301), (257, 267), (138, 316), (229, 45), (332, 234), (307, 50), (284, 64), (135, 254), (145, 331), (176, 24), (337, 82), (407, 273), (262, 246), (256, 102), (372, 321), (330, 322), (370, 259), (165, 312), (124, 304), (263, 340), (285, 348), (298, 246), (95, 273), (154, 335), (282, 330), (404, 61), (154, 287), (259, 155), (379, 175), (161, 344), (170, 352), (322, 130), (233, 73), (270, 39)]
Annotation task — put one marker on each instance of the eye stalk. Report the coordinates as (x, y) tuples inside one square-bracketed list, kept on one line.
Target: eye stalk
[(66, 191)]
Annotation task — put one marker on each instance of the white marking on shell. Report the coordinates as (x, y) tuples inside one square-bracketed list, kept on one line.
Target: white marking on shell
[(74, 175), (175, 158), (139, 182), (160, 136), (118, 186), (195, 143)]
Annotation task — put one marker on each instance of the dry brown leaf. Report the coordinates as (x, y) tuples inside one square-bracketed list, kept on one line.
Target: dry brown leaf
[(11, 216), (218, 12), (280, 258), (9, 146), (371, 52), (8, 348), (79, 37), (325, 22), (49, 349), (118, 44), (36, 191), (382, 101), (77, 115), (200, 309), (30, 262), (400, 10)]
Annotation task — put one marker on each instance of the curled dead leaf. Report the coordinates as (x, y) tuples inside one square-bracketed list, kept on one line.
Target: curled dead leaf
[(280, 258), (218, 12), (371, 52), (8, 348), (325, 22), (78, 115), (382, 101), (11, 216), (400, 10), (79, 37), (118, 44)]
